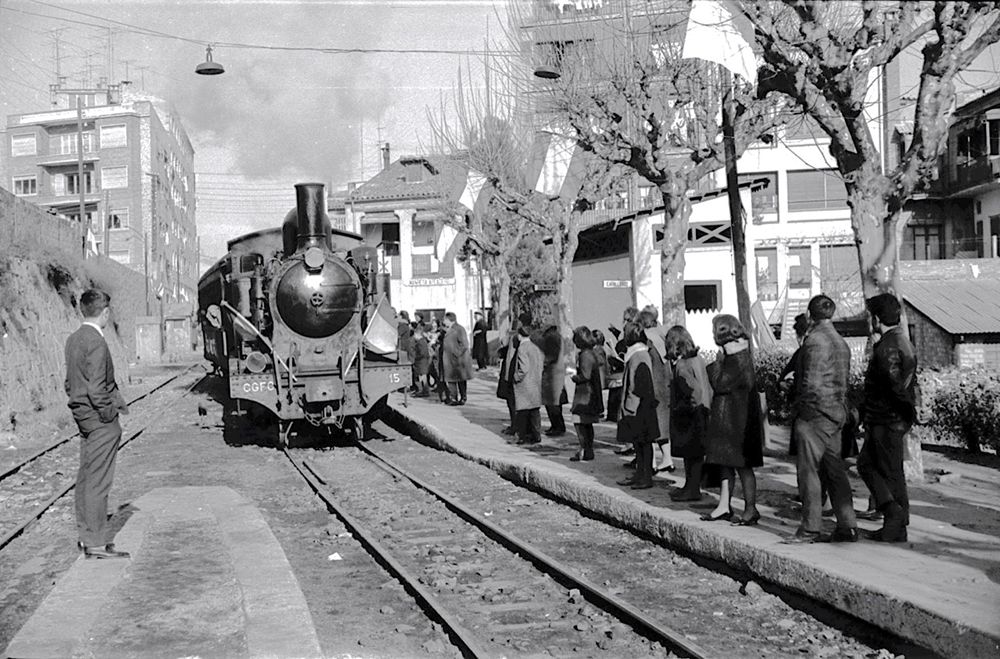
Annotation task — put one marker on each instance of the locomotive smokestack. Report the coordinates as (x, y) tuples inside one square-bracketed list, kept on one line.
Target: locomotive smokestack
[(313, 224)]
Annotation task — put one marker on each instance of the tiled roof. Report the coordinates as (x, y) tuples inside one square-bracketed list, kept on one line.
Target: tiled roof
[(966, 306), (440, 177)]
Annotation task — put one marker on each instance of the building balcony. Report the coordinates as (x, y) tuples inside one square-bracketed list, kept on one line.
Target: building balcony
[(64, 159), (974, 176), (68, 200)]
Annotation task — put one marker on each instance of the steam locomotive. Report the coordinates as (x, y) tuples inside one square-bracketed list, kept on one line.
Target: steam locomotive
[(297, 320)]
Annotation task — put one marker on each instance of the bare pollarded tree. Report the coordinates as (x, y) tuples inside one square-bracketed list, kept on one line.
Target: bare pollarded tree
[(631, 100), (825, 56), (492, 132)]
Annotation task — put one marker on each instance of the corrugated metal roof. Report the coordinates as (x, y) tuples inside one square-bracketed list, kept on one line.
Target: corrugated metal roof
[(965, 306)]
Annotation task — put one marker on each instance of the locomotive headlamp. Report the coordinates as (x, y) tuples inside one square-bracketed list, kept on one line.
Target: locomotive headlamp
[(314, 258), (256, 362)]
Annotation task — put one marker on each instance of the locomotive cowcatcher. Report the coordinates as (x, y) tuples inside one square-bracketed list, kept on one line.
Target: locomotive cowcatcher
[(298, 321)]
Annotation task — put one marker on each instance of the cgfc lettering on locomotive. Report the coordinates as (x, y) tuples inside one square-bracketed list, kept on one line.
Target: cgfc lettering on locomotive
[(298, 319)]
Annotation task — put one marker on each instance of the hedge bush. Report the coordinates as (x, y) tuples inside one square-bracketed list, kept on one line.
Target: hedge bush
[(965, 407), (768, 365)]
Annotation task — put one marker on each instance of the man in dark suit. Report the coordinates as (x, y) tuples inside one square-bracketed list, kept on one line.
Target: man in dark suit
[(480, 348), (889, 412), (821, 410), (96, 403), (456, 359)]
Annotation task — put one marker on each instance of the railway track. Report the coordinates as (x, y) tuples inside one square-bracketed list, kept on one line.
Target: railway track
[(492, 592), (36, 469)]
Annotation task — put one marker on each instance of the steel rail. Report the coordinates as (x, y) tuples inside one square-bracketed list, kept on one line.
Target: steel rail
[(16, 468), (42, 509), (462, 637), (643, 624)]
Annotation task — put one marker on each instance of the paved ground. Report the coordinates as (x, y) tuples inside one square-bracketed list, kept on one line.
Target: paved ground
[(247, 604), (940, 590)]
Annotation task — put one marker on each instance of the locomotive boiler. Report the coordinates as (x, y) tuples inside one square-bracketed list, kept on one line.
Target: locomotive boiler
[(296, 320)]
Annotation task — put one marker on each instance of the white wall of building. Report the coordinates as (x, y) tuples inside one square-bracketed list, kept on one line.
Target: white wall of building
[(985, 207), (704, 264)]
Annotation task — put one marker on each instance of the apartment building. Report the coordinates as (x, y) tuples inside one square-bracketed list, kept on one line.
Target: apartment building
[(138, 178)]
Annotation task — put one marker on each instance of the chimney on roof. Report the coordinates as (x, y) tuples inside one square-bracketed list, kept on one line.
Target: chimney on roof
[(384, 148)]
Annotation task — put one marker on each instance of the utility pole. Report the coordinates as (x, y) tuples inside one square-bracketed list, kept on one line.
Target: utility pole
[(737, 217), (84, 224), (107, 224), (145, 264)]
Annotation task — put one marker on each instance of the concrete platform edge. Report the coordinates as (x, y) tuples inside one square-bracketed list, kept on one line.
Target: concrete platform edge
[(902, 618)]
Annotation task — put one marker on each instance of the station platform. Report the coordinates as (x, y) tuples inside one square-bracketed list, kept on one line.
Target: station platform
[(206, 578), (940, 590)]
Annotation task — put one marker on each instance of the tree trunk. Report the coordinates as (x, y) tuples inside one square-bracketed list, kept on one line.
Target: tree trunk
[(676, 215), (877, 231), (500, 292), (564, 242)]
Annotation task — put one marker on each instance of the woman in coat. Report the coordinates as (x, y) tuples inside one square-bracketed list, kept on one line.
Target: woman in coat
[(735, 429), (637, 419), (553, 381), (421, 362), (690, 404), (588, 393), (527, 381), (662, 376), (505, 380)]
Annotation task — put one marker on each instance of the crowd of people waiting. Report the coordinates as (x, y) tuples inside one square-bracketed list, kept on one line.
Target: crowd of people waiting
[(441, 354), (663, 394)]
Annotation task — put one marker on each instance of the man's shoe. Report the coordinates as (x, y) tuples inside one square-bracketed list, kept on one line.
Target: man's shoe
[(640, 486), (107, 551), (870, 515), (628, 450), (840, 535), (631, 464), (882, 536), (801, 538), (626, 481), (508, 431)]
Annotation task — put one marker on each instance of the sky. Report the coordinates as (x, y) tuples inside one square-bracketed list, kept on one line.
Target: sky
[(275, 117)]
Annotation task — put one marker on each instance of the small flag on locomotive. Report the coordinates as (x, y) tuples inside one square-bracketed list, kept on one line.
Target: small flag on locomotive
[(296, 321)]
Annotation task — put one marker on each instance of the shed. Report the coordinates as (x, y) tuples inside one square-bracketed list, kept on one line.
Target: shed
[(955, 322)]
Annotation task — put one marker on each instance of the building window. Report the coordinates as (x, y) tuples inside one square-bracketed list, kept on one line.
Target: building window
[(816, 190), (799, 267), (114, 177), (703, 296), (65, 144), (649, 196), (423, 233), (923, 242), (764, 200), (25, 186), (73, 183), (118, 218), (421, 264), (23, 145), (120, 255), (767, 273), (113, 136)]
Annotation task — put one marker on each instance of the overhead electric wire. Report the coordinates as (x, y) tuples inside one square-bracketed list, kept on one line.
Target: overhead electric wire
[(329, 50)]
